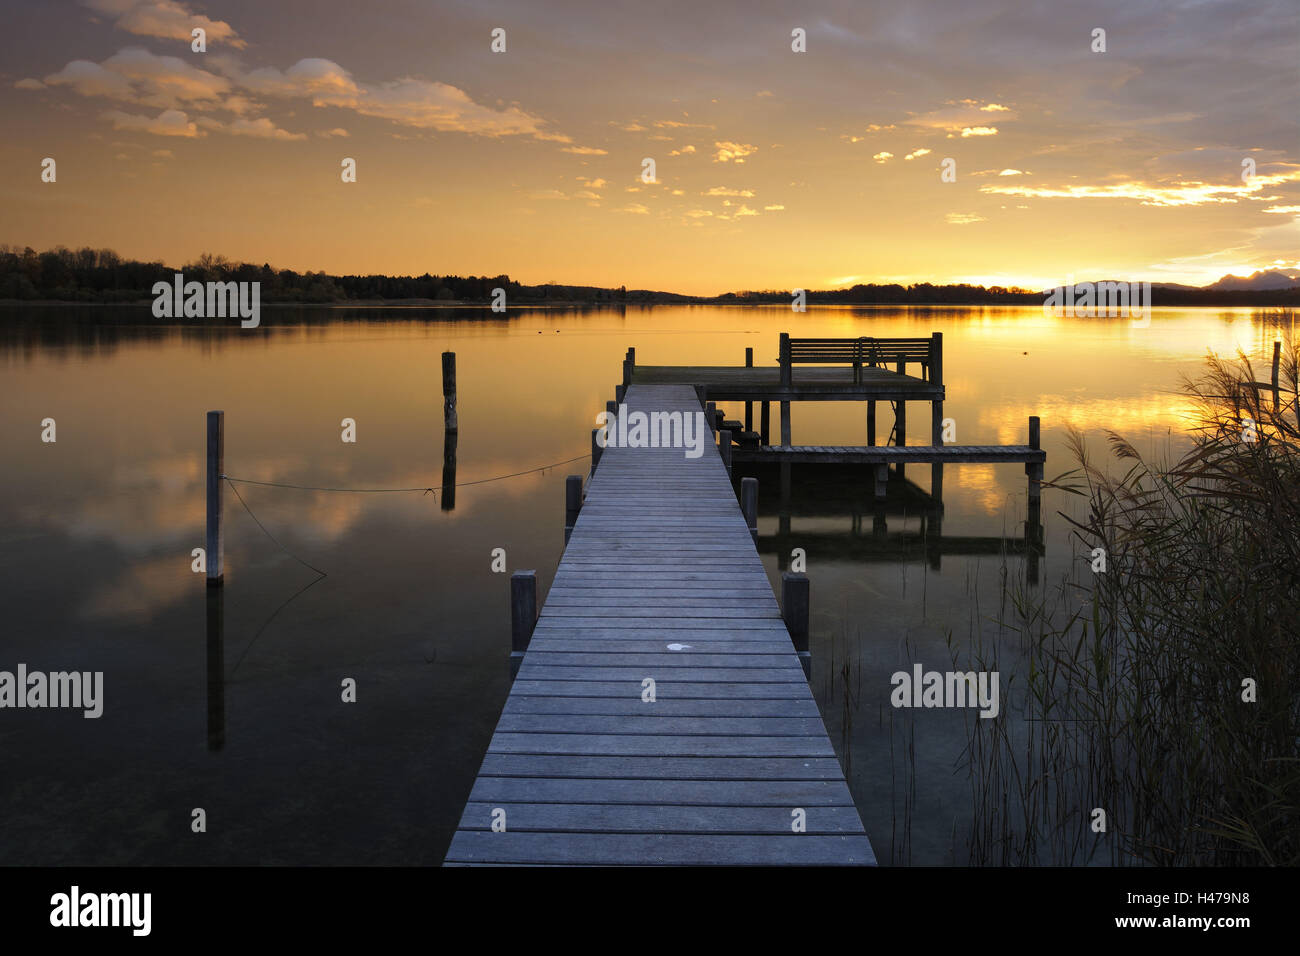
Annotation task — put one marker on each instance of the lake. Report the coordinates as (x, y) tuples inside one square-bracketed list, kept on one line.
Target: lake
[(98, 529)]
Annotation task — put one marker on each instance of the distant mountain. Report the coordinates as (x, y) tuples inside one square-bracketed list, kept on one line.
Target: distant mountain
[(1256, 282)]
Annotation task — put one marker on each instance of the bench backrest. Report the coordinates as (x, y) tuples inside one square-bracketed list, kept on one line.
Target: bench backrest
[(862, 352)]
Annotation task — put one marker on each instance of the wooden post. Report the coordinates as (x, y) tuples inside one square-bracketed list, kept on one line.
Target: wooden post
[(900, 432), (523, 609), (215, 543), (882, 479), (749, 406), (786, 371), (785, 423), (936, 379), (450, 420), (1277, 363), (724, 449), (794, 610), (572, 503), (711, 416), (595, 449), (620, 392), (765, 429), (1034, 469), (749, 504), (871, 421)]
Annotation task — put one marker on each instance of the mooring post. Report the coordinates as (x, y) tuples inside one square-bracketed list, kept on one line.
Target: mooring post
[(1277, 363), (724, 449), (900, 420), (523, 612), (620, 391), (595, 448), (794, 610), (711, 416), (785, 360), (215, 543), (572, 503), (450, 421), (765, 429), (871, 421), (749, 504), (936, 407), (749, 406), (1034, 468)]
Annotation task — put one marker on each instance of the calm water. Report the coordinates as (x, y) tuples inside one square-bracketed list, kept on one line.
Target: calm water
[(98, 527)]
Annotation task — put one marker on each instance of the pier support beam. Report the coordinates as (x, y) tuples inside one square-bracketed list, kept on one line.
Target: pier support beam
[(523, 615), (882, 479), (711, 416), (595, 449), (749, 406), (794, 611), (749, 504), (871, 421), (215, 541), (785, 424), (783, 516), (765, 430), (572, 503), (1034, 469), (724, 448)]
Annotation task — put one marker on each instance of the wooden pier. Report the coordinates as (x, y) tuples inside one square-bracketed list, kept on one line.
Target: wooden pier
[(660, 589)]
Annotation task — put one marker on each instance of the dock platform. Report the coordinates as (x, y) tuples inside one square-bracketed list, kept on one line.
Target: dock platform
[(661, 582)]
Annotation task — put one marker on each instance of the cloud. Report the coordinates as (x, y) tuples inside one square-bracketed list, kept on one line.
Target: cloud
[(166, 123), (979, 131), (547, 194), (586, 194), (165, 19), (261, 128), (729, 152), (632, 127), (959, 116), (883, 157), (1185, 193), (699, 213), (1012, 172), (135, 75), (685, 150), (916, 153), (728, 191), (29, 84), (677, 124), (962, 218), (636, 208), (591, 183), (774, 208), (1283, 210), (585, 151), (336, 132)]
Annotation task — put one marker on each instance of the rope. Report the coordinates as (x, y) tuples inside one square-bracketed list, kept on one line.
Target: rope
[(380, 491)]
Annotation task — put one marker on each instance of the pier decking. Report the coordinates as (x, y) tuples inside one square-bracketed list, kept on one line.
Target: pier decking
[(661, 581)]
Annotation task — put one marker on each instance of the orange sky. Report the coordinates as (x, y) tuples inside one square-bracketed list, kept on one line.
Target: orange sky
[(774, 168)]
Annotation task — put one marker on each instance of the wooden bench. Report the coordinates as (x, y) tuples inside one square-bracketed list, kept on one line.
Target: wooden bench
[(864, 351)]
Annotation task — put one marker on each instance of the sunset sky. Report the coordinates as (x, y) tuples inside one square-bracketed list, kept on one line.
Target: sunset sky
[(775, 169)]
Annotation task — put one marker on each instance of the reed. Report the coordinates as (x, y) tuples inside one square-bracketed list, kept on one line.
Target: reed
[(1131, 680)]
